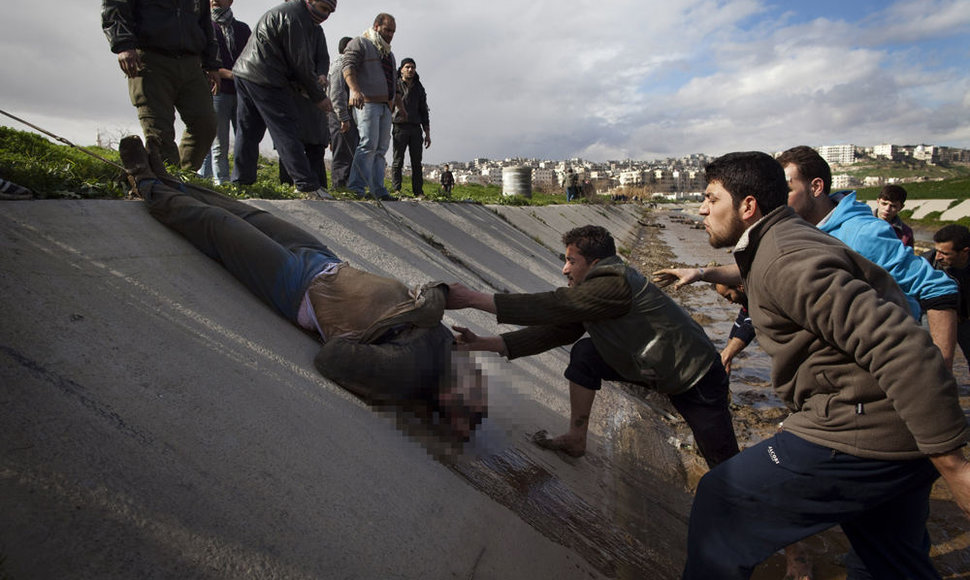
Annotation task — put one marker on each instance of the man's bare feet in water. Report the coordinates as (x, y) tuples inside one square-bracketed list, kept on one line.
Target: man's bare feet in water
[(564, 443), (798, 562)]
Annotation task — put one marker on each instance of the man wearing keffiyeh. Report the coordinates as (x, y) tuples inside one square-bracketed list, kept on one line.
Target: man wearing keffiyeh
[(371, 73)]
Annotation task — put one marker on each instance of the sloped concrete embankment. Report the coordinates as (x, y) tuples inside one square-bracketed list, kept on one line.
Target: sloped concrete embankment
[(158, 421)]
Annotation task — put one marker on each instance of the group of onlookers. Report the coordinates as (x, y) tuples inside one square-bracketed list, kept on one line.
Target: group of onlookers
[(226, 80)]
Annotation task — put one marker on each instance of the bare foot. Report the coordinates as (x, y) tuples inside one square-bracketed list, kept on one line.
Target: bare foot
[(561, 444), (799, 563)]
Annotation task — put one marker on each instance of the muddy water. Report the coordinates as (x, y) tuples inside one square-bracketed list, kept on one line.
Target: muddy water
[(623, 507)]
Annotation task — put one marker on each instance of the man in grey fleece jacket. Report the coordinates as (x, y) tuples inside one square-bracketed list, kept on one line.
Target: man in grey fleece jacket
[(371, 73), (875, 414)]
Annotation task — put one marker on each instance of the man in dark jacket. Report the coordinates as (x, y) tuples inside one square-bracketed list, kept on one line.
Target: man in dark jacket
[(168, 53), (381, 340), (875, 414), (285, 47), (410, 122), (231, 36), (636, 334)]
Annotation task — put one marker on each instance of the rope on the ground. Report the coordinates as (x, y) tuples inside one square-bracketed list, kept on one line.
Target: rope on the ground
[(63, 140)]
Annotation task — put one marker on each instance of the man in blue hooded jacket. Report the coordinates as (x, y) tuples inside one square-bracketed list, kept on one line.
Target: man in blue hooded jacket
[(841, 216)]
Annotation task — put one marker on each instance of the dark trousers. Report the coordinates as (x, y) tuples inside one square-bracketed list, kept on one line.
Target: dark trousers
[(704, 406), (785, 489), (314, 156), (259, 108), (343, 146), (410, 137), (273, 258), (168, 84)]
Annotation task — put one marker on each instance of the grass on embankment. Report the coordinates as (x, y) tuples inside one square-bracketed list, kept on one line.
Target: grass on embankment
[(55, 171)]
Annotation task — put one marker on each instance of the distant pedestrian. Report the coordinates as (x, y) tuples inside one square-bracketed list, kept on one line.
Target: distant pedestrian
[(890, 202), (410, 121), (231, 36), (571, 183), (447, 180), (168, 53), (343, 128)]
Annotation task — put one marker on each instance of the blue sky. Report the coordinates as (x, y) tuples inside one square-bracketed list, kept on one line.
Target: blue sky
[(603, 79)]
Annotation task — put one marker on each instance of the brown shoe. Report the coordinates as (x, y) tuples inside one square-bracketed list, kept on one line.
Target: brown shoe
[(135, 160)]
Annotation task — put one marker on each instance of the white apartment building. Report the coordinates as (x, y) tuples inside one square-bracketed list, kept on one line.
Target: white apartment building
[(886, 150), (840, 154), (631, 178)]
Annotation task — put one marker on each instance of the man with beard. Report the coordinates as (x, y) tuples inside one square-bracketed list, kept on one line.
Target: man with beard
[(875, 414), (369, 71)]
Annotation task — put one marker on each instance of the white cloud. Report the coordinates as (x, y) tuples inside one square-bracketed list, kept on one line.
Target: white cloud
[(585, 78)]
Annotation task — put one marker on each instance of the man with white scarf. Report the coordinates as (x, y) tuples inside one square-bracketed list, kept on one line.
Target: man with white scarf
[(371, 73)]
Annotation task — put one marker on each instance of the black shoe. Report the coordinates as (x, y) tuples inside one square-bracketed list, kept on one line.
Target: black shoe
[(387, 198), (135, 159)]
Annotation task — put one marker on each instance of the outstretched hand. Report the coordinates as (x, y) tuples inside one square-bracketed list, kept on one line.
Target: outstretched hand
[(468, 340), (679, 277), (461, 296)]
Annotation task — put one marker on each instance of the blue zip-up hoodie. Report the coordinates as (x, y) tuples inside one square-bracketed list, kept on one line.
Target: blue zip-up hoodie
[(852, 222)]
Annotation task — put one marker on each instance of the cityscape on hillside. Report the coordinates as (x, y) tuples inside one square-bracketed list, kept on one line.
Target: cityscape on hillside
[(682, 178)]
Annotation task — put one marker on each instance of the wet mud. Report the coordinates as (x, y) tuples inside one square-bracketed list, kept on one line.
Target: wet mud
[(624, 506)]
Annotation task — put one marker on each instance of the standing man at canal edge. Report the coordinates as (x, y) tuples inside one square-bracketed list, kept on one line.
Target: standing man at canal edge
[(369, 69), (410, 121), (168, 54)]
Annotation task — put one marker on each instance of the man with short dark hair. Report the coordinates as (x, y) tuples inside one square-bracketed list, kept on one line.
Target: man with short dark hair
[(952, 255), (841, 216), (636, 332), (412, 127), (890, 202), (875, 414)]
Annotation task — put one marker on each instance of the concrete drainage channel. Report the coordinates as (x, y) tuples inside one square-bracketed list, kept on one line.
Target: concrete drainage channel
[(160, 421)]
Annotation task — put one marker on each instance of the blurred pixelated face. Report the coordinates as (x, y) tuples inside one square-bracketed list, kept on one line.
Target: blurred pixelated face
[(721, 220), (887, 210), (220, 4), (949, 257), (386, 29), (576, 266), (407, 71), (464, 399)]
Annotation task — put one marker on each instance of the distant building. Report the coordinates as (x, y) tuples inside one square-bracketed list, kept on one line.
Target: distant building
[(886, 151), (838, 154)]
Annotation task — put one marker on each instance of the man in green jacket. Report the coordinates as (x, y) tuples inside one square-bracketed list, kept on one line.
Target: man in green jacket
[(168, 53), (636, 334)]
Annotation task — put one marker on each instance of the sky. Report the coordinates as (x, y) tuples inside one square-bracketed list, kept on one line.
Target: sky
[(595, 79)]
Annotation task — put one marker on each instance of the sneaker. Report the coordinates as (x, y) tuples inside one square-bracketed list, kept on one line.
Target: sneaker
[(11, 191)]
